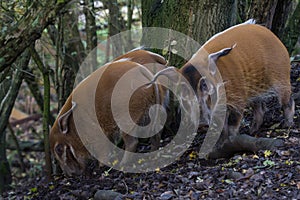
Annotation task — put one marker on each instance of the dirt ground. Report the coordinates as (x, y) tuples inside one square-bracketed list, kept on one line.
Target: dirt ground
[(261, 175)]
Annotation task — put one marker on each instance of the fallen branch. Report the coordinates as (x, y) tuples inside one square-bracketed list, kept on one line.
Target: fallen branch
[(34, 117), (241, 143)]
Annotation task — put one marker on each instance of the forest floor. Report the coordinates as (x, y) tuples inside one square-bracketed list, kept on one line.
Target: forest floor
[(265, 174)]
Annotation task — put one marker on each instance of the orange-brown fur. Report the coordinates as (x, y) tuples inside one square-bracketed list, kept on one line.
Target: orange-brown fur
[(257, 65), (143, 57), (68, 148)]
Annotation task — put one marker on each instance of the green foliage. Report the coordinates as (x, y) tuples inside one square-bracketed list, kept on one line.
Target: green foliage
[(60, 1), (269, 163)]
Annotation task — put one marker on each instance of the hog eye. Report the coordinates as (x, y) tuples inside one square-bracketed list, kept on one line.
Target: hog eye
[(59, 149), (203, 85)]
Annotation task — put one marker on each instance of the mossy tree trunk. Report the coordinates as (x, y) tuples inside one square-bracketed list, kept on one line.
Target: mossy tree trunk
[(197, 19), (213, 16), (6, 106), (115, 26), (46, 111), (291, 33), (262, 11), (21, 35), (70, 53), (91, 34), (280, 16), (130, 8)]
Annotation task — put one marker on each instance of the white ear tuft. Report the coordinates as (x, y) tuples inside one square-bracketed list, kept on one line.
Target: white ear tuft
[(250, 21)]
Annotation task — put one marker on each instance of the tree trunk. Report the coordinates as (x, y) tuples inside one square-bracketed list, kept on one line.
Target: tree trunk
[(6, 107), (59, 68), (283, 11), (242, 6), (130, 7), (74, 53), (280, 16), (292, 31), (114, 27), (91, 34), (212, 17), (68, 59), (170, 14), (196, 19), (32, 83), (46, 111), (262, 11)]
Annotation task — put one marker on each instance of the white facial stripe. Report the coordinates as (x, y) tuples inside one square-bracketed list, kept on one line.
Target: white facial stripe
[(64, 156), (73, 152)]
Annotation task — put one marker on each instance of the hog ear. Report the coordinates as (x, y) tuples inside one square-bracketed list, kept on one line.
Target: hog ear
[(64, 119), (215, 56)]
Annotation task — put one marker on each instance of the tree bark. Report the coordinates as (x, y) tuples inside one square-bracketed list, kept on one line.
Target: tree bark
[(280, 16), (27, 30), (242, 6), (34, 88), (91, 34), (212, 17), (292, 31), (59, 68), (46, 112), (90, 26), (6, 107), (197, 19), (114, 27), (130, 7), (70, 53), (262, 11), (74, 52), (69, 59), (283, 11), (273, 14)]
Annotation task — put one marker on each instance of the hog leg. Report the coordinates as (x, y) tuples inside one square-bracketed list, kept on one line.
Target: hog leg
[(231, 124), (226, 145), (130, 143), (236, 142), (155, 141), (258, 115), (233, 120), (288, 105), (288, 111)]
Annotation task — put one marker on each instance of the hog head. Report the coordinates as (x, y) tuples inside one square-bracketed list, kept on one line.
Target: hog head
[(65, 143)]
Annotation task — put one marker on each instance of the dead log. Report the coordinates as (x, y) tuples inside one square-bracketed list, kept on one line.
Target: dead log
[(243, 143)]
